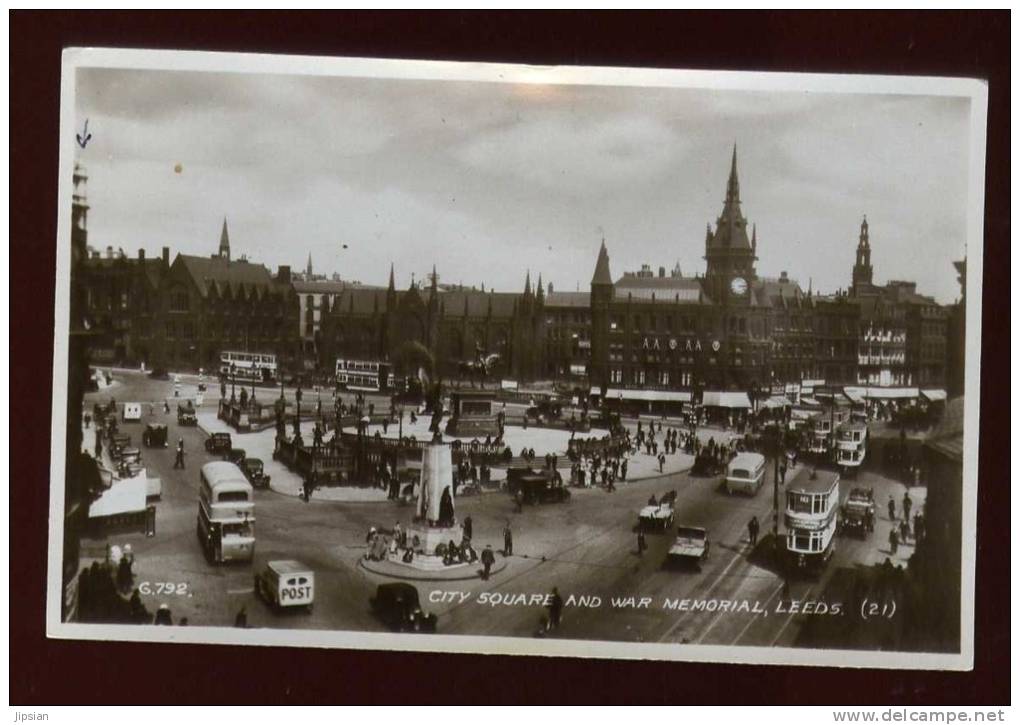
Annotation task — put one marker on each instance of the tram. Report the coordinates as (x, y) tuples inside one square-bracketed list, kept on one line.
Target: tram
[(811, 517), (253, 367), (366, 375), (851, 444)]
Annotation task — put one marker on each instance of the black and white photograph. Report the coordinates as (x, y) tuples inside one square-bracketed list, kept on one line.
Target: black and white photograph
[(493, 358)]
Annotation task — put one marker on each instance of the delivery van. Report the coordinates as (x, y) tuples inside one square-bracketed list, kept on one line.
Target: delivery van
[(746, 473)]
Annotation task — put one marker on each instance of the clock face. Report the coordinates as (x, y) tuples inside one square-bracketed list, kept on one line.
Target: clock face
[(738, 286)]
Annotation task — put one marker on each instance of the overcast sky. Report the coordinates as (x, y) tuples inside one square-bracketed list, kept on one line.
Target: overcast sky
[(487, 180)]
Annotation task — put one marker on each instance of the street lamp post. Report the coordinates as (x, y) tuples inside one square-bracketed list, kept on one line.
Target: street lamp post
[(233, 381)]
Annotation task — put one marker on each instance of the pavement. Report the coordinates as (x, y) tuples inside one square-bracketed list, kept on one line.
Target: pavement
[(586, 547)]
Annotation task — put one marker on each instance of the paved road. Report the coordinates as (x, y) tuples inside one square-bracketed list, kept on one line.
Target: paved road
[(586, 548)]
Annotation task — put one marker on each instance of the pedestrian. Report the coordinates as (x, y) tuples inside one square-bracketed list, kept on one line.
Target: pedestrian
[(782, 473), (623, 470), (163, 615), (518, 500), (555, 608), (641, 543), (468, 528), (894, 540), (904, 530), (179, 460), (241, 620), (752, 530), (892, 508), (662, 461), (907, 505), (508, 540), (166, 407), (488, 559)]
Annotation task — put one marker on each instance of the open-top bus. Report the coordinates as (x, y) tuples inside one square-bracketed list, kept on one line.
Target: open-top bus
[(226, 513), (812, 508), (368, 375), (258, 367)]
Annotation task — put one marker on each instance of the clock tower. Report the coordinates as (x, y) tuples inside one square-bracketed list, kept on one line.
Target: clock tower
[(729, 253)]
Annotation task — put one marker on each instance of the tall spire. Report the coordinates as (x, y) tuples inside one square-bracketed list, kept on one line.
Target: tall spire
[(224, 242), (308, 269), (393, 280), (602, 275), (435, 279), (527, 282), (539, 291), (733, 185), (731, 227), (863, 239)]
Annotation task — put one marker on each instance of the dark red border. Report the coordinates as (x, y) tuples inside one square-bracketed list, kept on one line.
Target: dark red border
[(51, 672)]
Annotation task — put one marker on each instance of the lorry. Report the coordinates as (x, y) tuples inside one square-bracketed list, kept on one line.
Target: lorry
[(285, 584), (857, 514), (691, 545)]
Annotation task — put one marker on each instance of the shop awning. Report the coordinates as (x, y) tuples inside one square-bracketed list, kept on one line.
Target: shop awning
[(807, 400), (774, 402), (666, 396), (856, 395), (726, 400), (891, 393), (126, 496), (934, 396), (801, 414)]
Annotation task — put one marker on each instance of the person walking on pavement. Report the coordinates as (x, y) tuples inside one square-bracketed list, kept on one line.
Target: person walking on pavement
[(508, 539), (894, 540), (905, 530), (555, 608), (892, 508), (488, 560), (907, 505), (179, 460), (518, 501), (752, 530), (241, 620), (468, 528), (641, 543)]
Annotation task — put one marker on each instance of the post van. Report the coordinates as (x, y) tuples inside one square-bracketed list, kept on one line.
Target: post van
[(745, 473), (285, 584)]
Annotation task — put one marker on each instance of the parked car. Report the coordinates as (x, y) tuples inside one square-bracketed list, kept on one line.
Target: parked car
[(254, 471), (286, 584), (154, 436), (399, 608), (129, 463), (218, 443)]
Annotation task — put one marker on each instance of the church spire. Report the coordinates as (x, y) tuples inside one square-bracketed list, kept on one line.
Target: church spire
[(308, 269), (393, 280), (731, 227), (540, 292), (527, 282), (224, 252)]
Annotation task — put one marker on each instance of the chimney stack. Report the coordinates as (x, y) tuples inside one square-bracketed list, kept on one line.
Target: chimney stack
[(141, 255), (783, 278), (284, 274), (166, 256)]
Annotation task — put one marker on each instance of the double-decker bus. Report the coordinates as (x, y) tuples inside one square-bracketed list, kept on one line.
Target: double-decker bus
[(368, 375), (226, 513), (258, 367), (812, 511), (851, 444)]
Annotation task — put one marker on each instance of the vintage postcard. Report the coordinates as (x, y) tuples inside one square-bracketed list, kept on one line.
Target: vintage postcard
[(599, 362)]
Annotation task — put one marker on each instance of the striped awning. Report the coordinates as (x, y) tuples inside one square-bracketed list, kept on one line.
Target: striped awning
[(726, 400)]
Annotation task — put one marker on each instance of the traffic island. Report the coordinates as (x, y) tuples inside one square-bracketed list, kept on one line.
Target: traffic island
[(430, 568)]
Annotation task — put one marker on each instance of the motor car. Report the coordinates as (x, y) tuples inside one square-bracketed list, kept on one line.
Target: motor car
[(129, 463), (691, 545), (218, 443), (286, 584), (706, 465), (254, 471), (398, 606), (155, 435), (235, 456), (186, 414), (535, 486)]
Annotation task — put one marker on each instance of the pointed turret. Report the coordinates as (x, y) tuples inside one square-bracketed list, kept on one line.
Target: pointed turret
[(863, 272), (224, 252), (308, 269), (540, 292), (602, 275), (393, 280), (527, 282), (731, 228)]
